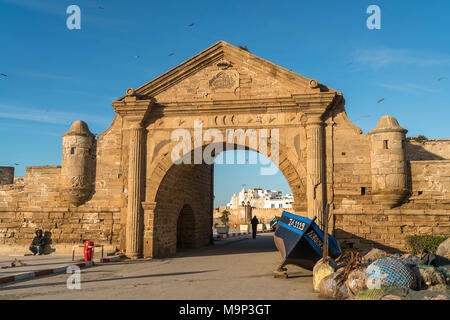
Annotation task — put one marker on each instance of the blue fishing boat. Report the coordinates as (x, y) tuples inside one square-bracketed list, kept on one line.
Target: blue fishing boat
[(300, 242)]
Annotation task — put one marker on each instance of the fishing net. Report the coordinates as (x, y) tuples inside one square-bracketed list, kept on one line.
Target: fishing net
[(329, 287), (428, 295), (375, 254), (390, 272), (410, 259), (383, 293), (356, 281), (431, 275), (393, 293)]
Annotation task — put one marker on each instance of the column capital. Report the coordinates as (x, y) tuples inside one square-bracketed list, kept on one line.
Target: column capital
[(148, 205), (314, 119), (133, 108), (314, 105)]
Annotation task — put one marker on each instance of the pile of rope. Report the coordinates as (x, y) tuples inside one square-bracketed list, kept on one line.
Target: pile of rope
[(353, 260)]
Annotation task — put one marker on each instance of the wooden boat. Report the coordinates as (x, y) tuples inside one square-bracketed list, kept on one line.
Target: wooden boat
[(300, 242)]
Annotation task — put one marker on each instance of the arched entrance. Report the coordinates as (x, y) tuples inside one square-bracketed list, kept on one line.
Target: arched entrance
[(222, 88)]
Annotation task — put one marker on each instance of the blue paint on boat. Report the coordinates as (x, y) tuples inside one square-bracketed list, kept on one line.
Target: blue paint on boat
[(300, 241)]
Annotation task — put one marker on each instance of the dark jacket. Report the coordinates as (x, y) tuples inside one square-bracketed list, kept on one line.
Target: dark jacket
[(254, 221), (38, 241)]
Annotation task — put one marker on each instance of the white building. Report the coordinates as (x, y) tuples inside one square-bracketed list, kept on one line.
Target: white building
[(261, 198)]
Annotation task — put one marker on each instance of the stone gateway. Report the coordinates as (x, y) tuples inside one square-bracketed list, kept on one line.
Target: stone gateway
[(124, 191)]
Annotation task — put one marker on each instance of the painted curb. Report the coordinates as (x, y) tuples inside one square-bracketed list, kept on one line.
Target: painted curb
[(225, 236), (43, 272)]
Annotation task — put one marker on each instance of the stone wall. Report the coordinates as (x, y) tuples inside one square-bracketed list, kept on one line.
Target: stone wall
[(35, 202), (428, 150), (236, 217), (6, 175), (363, 222), (387, 229)]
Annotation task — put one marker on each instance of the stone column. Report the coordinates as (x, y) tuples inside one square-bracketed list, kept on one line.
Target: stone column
[(315, 167), (135, 182), (149, 245)]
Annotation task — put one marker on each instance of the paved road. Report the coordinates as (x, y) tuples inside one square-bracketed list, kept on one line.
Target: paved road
[(236, 268), (36, 263)]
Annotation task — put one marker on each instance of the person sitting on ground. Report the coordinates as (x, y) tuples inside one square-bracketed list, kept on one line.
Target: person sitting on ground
[(254, 223), (37, 245)]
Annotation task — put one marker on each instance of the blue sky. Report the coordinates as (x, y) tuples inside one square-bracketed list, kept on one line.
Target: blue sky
[(56, 75)]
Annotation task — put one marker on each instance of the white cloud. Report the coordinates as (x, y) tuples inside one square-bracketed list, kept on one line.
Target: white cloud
[(49, 115), (378, 58), (408, 87)]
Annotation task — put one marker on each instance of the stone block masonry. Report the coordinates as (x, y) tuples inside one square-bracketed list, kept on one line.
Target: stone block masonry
[(123, 190)]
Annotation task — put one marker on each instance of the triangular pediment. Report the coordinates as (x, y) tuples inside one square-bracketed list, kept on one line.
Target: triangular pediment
[(224, 72)]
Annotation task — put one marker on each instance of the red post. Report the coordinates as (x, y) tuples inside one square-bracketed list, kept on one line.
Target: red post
[(88, 250)]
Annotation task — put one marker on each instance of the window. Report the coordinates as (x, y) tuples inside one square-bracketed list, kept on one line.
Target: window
[(385, 144), (363, 191), (72, 150)]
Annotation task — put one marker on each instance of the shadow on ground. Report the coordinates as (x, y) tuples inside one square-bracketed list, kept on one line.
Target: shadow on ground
[(241, 245), (105, 279)]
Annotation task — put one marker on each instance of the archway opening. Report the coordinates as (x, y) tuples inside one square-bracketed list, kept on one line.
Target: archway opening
[(254, 182), (186, 202)]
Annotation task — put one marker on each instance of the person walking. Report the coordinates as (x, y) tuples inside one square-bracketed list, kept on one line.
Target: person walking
[(254, 223)]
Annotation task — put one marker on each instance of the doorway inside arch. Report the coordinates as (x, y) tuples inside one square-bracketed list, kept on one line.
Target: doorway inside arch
[(186, 228)]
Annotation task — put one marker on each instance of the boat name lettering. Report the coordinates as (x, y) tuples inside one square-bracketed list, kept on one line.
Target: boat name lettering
[(296, 224), (315, 238)]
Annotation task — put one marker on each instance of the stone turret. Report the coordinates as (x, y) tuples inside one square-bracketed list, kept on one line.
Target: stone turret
[(388, 162), (78, 162)]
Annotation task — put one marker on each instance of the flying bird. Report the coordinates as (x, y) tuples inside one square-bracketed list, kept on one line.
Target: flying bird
[(171, 54), (191, 25), (349, 63), (101, 8), (381, 100), (137, 57), (441, 78), (4, 75), (17, 164)]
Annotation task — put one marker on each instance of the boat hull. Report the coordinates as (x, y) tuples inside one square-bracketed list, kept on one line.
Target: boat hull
[(300, 241)]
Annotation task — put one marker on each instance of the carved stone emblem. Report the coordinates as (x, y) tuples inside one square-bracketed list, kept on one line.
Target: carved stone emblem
[(78, 182), (224, 81)]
